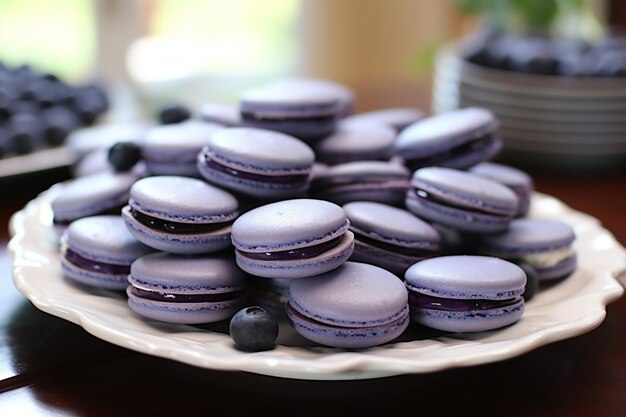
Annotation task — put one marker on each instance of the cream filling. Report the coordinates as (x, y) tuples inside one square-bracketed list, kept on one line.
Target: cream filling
[(542, 259)]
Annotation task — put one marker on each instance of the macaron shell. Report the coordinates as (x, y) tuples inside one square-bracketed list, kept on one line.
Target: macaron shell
[(300, 268), (470, 321), (223, 114), (357, 142), (183, 199), (288, 224), (391, 224), (444, 131), (348, 338), (104, 238), (353, 295), (467, 188), (184, 313), (531, 236), (459, 219), (559, 270), (93, 279), (262, 151), (393, 262), (298, 99), (397, 117), (520, 182), (466, 277), (185, 244), (92, 194), (187, 275), (257, 189)]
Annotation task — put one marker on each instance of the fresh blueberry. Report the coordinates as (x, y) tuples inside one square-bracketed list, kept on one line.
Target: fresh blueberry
[(532, 280), (171, 113), (254, 328), (124, 155)]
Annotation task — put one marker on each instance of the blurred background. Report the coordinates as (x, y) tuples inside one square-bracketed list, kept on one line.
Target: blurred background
[(144, 53)]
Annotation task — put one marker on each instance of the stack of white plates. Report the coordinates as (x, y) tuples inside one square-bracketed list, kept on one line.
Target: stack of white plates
[(573, 122)]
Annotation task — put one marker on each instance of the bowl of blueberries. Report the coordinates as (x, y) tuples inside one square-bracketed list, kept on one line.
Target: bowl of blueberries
[(559, 100), (38, 111)]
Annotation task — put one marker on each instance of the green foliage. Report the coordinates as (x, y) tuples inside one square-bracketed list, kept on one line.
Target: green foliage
[(529, 14)]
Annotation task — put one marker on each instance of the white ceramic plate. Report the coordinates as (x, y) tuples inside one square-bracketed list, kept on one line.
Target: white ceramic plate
[(570, 308)]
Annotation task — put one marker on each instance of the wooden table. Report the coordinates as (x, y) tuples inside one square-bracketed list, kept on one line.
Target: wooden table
[(52, 367)]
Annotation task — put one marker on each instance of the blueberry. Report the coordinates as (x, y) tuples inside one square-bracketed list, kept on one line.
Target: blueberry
[(254, 328), (173, 113), (532, 280), (124, 155)]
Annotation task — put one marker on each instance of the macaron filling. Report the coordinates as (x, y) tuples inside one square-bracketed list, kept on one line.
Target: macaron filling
[(393, 248), (271, 179), (387, 322), (432, 198), (291, 254), (423, 301), (169, 226), (478, 145), (94, 266), (254, 117), (184, 298)]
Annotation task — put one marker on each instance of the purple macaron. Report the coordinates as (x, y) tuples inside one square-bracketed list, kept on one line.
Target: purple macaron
[(545, 244), (465, 293), (257, 162), (461, 200), (390, 237), (223, 114), (186, 289), (306, 111), (172, 149), (102, 193), (517, 180), (292, 239), (98, 251), (456, 139), (180, 215), (396, 117), (355, 306), (356, 142), (384, 182)]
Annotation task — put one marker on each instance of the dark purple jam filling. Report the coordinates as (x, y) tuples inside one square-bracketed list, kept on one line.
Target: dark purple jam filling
[(93, 266), (401, 250), (271, 179), (418, 300), (289, 255), (251, 117), (185, 298), (476, 145), (176, 227), (425, 195)]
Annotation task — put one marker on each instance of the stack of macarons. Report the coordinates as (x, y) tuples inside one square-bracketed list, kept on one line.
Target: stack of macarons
[(347, 225)]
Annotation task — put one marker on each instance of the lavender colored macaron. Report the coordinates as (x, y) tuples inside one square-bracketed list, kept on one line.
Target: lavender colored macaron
[(384, 182), (101, 193), (355, 306), (304, 110), (545, 244), (292, 239), (456, 139), (465, 293), (390, 237), (186, 289), (223, 114), (172, 149), (257, 162), (461, 200), (396, 117), (180, 215), (356, 142), (517, 180), (98, 251)]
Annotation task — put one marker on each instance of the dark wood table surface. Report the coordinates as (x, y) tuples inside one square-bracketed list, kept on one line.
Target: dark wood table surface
[(52, 367)]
